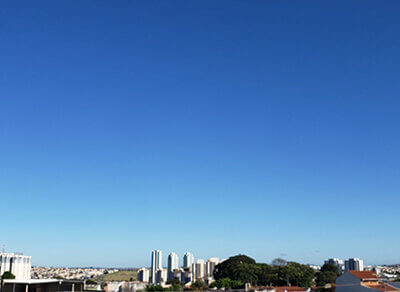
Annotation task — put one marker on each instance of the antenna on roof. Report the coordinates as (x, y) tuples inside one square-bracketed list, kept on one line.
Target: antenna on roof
[(4, 248)]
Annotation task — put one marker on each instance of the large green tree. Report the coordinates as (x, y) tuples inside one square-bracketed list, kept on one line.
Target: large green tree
[(266, 275), (327, 275), (295, 274), (245, 270), (240, 268)]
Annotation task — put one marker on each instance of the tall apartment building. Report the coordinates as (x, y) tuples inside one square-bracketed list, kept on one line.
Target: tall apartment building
[(173, 264), (18, 264), (188, 260), (161, 276), (354, 264), (143, 275), (210, 266), (336, 262), (156, 264), (198, 270)]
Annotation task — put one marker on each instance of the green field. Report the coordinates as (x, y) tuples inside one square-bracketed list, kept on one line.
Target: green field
[(126, 275)]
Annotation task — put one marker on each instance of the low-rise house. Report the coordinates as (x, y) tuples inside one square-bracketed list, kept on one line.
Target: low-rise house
[(362, 281)]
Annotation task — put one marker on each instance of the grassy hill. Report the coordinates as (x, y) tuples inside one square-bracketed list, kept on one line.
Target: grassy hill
[(124, 275)]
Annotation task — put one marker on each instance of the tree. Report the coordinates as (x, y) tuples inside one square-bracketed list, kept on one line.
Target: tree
[(199, 285), (295, 274), (154, 288), (7, 275), (240, 268), (329, 268), (327, 275), (279, 262), (227, 283), (266, 275), (176, 285)]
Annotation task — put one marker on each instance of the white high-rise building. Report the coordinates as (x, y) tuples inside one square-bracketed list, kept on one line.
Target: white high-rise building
[(354, 264), (188, 260), (143, 275), (161, 276), (18, 264), (156, 264), (336, 262), (198, 270), (173, 264), (210, 266)]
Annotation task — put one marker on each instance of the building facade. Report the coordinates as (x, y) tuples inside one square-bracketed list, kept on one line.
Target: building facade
[(336, 262), (173, 264), (156, 264), (188, 260), (198, 270), (143, 275), (354, 264), (210, 266), (161, 276), (18, 264)]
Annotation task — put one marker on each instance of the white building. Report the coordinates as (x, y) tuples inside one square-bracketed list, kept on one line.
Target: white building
[(210, 266), (354, 264), (18, 264), (336, 262), (188, 260), (143, 275), (161, 276), (173, 264), (198, 270), (156, 264)]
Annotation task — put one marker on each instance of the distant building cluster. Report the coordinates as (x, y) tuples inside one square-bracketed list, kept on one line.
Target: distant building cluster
[(16, 263), (191, 270), (68, 273), (352, 264)]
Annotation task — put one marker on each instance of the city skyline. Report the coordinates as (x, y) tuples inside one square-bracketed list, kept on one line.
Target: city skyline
[(265, 128)]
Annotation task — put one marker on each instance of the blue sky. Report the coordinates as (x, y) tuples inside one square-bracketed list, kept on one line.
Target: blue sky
[(268, 128)]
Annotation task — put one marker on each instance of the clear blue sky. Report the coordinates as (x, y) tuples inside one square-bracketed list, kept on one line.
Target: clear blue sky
[(269, 128)]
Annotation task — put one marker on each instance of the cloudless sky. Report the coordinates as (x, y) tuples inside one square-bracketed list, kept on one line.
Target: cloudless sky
[(267, 128)]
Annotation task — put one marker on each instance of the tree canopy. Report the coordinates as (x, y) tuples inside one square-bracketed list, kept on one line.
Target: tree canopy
[(244, 269), (8, 275), (327, 275)]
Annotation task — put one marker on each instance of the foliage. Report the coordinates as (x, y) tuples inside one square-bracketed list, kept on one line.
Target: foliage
[(240, 268), (295, 274), (227, 283), (176, 285), (327, 275), (329, 268), (266, 275), (8, 275), (199, 285), (245, 270), (154, 288), (278, 262)]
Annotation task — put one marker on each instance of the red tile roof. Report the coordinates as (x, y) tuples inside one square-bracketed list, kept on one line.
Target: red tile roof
[(364, 275), (383, 287)]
